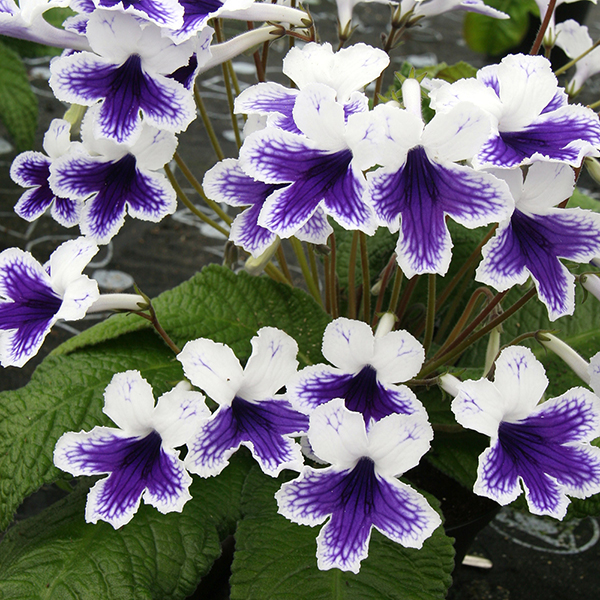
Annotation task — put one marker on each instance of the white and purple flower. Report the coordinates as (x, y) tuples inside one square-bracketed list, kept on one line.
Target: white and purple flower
[(359, 490), (250, 412), (33, 297), (367, 369), (538, 233), (139, 457), (531, 115), (127, 74), (32, 170), (111, 179), (545, 447), (316, 167), (420, 182), (226, 182)]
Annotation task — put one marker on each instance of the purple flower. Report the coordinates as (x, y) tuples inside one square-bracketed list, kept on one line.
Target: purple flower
[(139, 456), (531, 116), (538, 234), (226, 182), (250, 412), (545, 446), (114, 178), (420, 182), (316, 169), (33, 297), (32, 170), (127, 76), (367, 367), (359, 490)]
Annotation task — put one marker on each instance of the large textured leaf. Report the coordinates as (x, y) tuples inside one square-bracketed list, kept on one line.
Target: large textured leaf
[(495, 36), (160, 557), (225, 307), (18, 104), (276, 559), (66, 391), (66, 394)]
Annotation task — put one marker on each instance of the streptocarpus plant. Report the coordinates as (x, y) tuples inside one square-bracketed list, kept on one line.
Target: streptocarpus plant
[(425, 243)]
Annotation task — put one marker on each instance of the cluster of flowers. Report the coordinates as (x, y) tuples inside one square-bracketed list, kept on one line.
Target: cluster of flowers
[(355, 416), (501, 148)]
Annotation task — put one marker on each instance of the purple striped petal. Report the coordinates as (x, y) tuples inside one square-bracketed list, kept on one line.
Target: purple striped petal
[(566, 135), (541, 451), (417, 198), (362, 392), (114, 185), (165, 13), (263, 426), (33, 169), (196, 14), (532, 244), (28, 309), (357, 500), (137, 466), (125, 91)]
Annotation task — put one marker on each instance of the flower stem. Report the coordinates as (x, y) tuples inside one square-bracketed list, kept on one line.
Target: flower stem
[(352, 277), (385, 278), (155, 323), (190, 205), (196, 185), (335, 300), (212, 136), (313, 286), (458, 350), (227, 81), (398, 278), (366, 277), (408, 292), (429, 321), (283, 265), (573, 62), (537, 44)]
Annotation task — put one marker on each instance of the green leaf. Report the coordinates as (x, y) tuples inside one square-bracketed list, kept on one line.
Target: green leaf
[(18, 104), (498, 36), (459, 70), (66, 390), (227, 308), (275, 558), (66, 394), (57, 555)]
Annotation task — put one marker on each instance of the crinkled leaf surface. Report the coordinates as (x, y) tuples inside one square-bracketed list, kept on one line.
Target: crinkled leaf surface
[(225, 307), (66, 391), (277, 559), (160, 557), (18, 104)]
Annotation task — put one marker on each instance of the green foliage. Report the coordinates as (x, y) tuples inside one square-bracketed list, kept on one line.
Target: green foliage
[(66, 391), (56, 554), (274, 556), (18, 104), (495, 36)]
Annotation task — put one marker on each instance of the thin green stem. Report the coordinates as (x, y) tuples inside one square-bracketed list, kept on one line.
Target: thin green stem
[(458, 350), (467, 265), (485, 312), (274, 273), (313, 263), (385, 278), (196, 185), (429, 321), (326, 268), (190, 205), (573, 62), (453, 308), (312, 285), (398, 278), (227, 81), (366, 277), (156, 324), (537, 44), (283, 265), (408, 292), (352, 277), (335, 300), (464, 318), (594, 105), (212, 136)]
